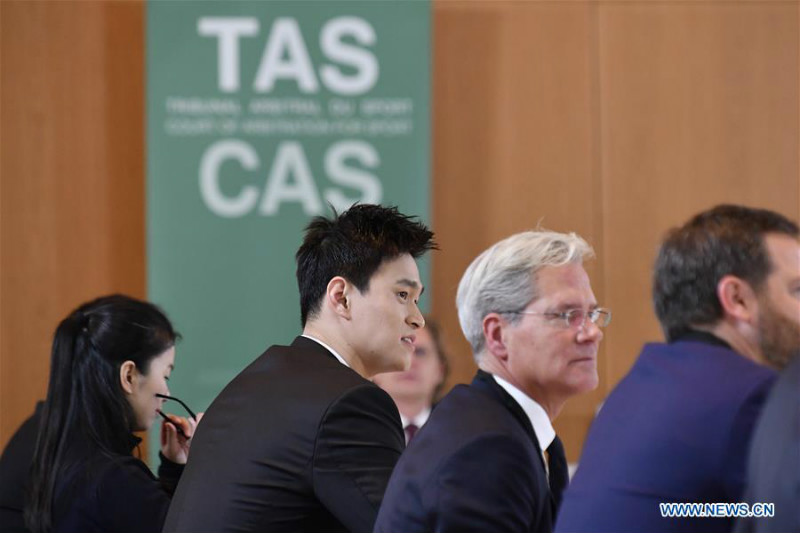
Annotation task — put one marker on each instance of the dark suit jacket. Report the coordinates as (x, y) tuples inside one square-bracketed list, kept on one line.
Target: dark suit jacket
[(774, 467), (296, 442), (675, 429), (474, 466)]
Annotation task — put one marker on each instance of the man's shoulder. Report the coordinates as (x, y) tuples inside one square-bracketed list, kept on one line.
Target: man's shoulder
[(470, 415), (467, 431), (286, 383), (485, 397), (690, 361), (473, 397), (304, 363), (472, 449), (361, 394), (675, 392)]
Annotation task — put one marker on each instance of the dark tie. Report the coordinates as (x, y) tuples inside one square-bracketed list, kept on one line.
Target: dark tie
[(559, 474), (410, 430)]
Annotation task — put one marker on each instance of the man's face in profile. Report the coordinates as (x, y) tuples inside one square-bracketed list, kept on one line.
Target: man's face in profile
[(779, 302), (546, 356), (385, 317)]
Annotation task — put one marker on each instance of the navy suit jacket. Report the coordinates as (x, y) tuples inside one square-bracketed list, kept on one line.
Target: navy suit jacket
[(296, 442), (474, 466), (675, 429)]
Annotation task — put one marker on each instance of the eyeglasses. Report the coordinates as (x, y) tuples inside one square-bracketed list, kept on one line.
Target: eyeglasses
[(165, 417), (173, 398), (576, 318)]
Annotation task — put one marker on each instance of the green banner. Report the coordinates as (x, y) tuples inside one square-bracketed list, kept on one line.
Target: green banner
[(261, 115)]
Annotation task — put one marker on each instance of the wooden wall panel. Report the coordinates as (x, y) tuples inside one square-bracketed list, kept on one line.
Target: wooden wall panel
[(71, 159), (699, 106), (613, 119)]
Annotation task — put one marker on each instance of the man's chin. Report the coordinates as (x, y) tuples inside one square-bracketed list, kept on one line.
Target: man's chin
[(591, 384), (585, 384)]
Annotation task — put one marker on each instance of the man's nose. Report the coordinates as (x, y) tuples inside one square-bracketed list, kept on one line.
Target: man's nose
[(415, 319), (590, 332)]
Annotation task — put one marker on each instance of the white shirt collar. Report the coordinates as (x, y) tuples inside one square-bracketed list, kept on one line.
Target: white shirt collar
[(542, 426), (334, 352), (418, 420)]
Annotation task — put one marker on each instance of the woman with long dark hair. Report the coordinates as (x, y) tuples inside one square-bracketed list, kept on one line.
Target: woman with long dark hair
[(111, 360)]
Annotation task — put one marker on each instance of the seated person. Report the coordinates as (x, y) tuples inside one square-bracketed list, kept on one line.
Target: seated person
[(489, 459), (677, 428), (301, 439), (111, 360)]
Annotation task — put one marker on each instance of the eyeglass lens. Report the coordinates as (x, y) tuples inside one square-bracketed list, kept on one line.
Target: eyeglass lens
[(577, 318)]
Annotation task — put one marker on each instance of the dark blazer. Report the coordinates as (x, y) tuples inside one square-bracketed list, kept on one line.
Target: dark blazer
[(774, 467), (101, 493), (296, 442), (675, 429), (474, 466), (95, 492)]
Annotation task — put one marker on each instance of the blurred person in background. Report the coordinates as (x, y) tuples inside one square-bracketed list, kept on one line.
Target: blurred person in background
[(111, 360), (677, 428), (415, 390)]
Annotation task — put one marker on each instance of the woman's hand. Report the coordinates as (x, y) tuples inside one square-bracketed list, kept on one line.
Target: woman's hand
[(175, 446)]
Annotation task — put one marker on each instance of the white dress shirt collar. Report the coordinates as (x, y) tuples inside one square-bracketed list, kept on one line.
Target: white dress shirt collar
[(542, 426), (418, 420)]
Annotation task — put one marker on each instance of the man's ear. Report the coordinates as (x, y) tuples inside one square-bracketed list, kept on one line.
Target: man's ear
[(738, 299), (127, 376), (337, 296), (493, 325)]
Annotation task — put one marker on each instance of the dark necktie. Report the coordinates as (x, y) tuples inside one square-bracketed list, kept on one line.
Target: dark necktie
[(410, 430), (559, 474)]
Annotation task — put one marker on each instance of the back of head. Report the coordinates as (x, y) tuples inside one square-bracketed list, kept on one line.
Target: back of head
[(725, 240), (85, 400), (502, 278), (353, 245)]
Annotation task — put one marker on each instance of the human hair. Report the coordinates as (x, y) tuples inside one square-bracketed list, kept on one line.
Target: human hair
[(353, 245), (441, 352), (85, 399), (502, 278), (724, 240)]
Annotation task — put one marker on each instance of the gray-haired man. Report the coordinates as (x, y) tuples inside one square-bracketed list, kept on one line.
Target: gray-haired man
[(488, 459)]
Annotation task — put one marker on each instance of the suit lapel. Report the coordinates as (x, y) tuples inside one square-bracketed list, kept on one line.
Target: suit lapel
[(485, 382)]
